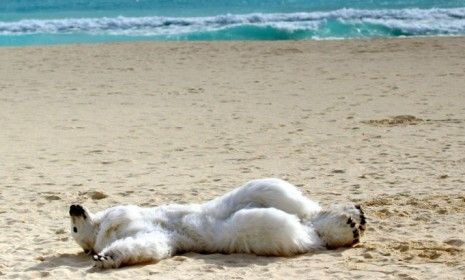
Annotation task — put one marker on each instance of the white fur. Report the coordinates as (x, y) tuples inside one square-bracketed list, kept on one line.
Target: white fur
[(264, 217)]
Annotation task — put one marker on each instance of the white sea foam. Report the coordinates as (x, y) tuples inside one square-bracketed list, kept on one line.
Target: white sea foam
[(410, 21)]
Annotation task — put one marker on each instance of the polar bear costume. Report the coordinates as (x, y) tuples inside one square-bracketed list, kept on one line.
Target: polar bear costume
[(263, 217)]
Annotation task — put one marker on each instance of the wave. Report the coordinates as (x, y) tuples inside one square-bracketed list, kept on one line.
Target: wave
[(448, 21)]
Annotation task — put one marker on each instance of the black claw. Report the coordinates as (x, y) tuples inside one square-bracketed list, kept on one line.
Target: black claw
[(361, 228), (350, 222), (359, 209), (362, 220), (355, 241), (77, 210), (356, 233)]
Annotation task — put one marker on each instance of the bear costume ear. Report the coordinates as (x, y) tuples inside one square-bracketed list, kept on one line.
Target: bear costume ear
[(77, 211)]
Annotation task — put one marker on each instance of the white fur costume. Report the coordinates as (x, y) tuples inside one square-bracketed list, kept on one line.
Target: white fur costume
[(264, 217)]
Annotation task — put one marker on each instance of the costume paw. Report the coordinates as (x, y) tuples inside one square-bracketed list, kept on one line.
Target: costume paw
[(341, 226), (356, 221), (106, 261)]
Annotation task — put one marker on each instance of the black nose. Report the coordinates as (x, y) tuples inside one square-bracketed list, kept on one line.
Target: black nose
[(77, 210)]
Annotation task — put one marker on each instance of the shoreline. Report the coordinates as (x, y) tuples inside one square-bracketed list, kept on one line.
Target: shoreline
[(419, 37), (375, 122)]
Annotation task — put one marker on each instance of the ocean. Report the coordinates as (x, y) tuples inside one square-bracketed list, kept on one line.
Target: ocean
[(39, 22)]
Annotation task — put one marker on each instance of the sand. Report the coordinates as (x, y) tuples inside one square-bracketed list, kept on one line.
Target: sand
[(377, 122)]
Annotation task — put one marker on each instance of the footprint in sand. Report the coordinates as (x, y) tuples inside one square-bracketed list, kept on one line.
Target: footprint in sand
[(413, 251), (395, 121), (95, 195), (454, 242), (52, 197)]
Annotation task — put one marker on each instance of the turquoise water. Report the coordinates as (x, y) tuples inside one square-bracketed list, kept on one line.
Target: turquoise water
[(32, 22)]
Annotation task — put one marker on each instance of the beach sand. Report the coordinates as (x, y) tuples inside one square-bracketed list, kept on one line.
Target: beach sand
[(376, 122)]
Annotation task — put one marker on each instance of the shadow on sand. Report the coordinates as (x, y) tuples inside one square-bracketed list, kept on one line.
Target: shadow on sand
[(219, 260), (81, 260), (78, 260)]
